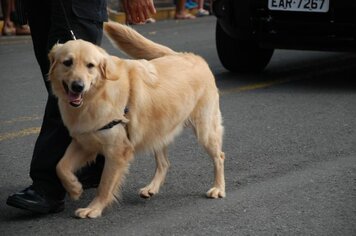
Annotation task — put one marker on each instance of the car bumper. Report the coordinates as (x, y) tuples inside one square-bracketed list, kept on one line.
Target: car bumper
[(334, 30)]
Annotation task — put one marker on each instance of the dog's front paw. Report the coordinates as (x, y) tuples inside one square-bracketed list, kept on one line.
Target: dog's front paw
[(75, 191), (88, 213), (216, 193), (148, 192)]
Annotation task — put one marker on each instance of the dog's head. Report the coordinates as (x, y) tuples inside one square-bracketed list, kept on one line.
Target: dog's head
[(78, 68)]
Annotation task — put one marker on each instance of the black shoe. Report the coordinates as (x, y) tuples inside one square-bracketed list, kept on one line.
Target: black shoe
[(31, 200), (88, 181), (90, 175)]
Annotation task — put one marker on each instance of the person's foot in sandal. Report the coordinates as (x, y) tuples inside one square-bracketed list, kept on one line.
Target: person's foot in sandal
[(202, 12), (23, 30), (184, 16), (149, 20), (8, 29)]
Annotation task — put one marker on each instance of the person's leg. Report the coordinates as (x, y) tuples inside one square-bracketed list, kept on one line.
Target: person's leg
[(8, 27), (54, 137), (21, 28), (201, 11), (48, 26), (181, 14), (180, 6), (90, 31), (39, 197)]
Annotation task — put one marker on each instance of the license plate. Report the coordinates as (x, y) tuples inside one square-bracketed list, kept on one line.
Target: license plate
[(299, 5)]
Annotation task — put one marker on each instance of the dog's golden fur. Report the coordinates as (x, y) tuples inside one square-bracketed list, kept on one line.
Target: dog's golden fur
[(164, 92)]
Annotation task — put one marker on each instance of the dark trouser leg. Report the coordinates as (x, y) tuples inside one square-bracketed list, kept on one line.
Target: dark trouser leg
[(48, 26)]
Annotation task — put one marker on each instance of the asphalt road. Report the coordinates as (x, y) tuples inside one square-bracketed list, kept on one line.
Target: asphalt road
[(289, 142)]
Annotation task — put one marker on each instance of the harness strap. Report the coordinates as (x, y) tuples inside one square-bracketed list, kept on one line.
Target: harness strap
[(114, 122), (110, 125)]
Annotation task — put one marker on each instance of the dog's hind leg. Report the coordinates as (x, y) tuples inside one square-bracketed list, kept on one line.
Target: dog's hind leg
[(209, 132), (117, 161), (74, 158), (162, 165)]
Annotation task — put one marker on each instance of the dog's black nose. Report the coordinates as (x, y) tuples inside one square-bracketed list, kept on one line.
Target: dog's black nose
[(77, 86)]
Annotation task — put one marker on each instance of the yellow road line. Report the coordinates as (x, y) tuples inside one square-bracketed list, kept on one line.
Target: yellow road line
[(20, 119), (19, 134), (256, 86)]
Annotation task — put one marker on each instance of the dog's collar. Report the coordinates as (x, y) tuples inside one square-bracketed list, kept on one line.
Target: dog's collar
[(114, 122)]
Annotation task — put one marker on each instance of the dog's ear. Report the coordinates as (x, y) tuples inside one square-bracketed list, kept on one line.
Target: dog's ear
[(52, 56), (109, 68), (53, 51)]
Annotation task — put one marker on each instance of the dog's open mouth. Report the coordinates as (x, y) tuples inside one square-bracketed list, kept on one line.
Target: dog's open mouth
[(75, 99)]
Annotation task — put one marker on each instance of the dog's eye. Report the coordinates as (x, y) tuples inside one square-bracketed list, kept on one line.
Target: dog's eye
[(90, 65), (68, 62)]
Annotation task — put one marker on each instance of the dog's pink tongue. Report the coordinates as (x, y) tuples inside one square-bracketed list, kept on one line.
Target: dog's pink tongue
[(74, 97)]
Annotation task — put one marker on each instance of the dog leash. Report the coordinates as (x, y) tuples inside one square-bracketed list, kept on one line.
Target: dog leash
[(67, 21)]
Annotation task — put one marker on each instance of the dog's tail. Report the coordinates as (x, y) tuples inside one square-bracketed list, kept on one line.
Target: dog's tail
[(133, 43)]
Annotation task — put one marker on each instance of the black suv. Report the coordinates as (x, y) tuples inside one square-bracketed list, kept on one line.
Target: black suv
[(248, 31)]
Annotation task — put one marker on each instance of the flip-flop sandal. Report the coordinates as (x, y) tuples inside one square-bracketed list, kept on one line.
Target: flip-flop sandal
[(202, 12), (186, 16)]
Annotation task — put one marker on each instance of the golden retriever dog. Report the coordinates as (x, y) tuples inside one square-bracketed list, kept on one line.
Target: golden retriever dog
[(117, 107)]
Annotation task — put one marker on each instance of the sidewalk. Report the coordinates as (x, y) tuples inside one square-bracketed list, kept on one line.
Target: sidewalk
[(163, 13)]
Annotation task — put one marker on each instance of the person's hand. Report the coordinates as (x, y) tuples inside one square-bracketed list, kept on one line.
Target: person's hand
[(138, 11)]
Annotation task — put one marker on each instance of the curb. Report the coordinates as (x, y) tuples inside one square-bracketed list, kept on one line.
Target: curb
[(164, 13)]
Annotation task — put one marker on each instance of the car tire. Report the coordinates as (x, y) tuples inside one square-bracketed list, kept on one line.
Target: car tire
[(239, 55)]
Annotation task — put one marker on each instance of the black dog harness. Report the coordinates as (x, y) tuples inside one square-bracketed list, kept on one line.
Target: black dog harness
[(110, 125), (114, 122)]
